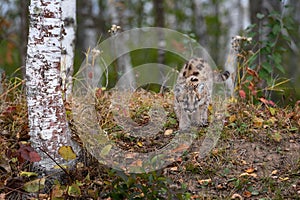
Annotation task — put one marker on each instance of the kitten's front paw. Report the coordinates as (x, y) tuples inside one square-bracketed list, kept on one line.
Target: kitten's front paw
[(200, 124)]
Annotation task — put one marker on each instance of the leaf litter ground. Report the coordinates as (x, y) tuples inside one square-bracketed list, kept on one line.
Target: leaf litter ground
[(257, 155)]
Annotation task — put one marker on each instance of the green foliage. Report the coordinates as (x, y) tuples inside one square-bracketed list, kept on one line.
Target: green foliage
[(261, 69), (144, 186)]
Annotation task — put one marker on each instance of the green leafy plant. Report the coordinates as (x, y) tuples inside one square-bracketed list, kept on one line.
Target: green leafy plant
[(144, 186), (260, 63)]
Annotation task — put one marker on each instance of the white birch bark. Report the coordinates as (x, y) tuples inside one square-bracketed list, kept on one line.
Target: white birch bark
[(68, 45), (47, 119)]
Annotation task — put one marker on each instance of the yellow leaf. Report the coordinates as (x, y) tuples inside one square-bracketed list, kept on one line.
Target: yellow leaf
[(232, 100), (272, 110), (28, 174), (210, 108), (284, 179), (250, 170), (168, 132), (232, 118), (67, 153), (258, 122), (140, 144)]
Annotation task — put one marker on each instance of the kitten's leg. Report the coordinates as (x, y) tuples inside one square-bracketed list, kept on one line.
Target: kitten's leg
[(184, 121)]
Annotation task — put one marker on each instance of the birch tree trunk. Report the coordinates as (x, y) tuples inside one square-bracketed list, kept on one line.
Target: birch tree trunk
[(68, 46), (47, 120)]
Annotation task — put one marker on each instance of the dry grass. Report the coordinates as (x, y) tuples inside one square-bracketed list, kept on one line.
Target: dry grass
[(257, 156)]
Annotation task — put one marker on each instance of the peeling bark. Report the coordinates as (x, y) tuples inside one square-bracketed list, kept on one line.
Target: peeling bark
[(47, 120)]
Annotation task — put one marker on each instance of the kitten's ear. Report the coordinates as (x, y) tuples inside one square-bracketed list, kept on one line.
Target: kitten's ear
[(220, 77)]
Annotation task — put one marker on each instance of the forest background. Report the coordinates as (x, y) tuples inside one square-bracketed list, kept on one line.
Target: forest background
[(274, 26)]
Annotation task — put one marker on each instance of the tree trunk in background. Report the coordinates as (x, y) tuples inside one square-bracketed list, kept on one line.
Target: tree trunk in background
[(47, 120), (293, 59), (262, 7), (24, 33), (160, 22), (200, 23), (255, 7), (87, 27), (124, 65), (68, 46)]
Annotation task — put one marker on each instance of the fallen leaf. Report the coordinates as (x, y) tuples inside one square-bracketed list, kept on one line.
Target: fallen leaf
[(274, 172), (254, 175), (250, 170), (140, 144), (232, 118), (204, 181), (234, 196), (244, 174), (67, 153), (284, 179), (34, 156), (257, 122), (57, 192), (168, 132), (247, 194), (35, 185)]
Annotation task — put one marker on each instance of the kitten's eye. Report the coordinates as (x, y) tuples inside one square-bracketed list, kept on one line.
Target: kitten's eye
[(195, 73)]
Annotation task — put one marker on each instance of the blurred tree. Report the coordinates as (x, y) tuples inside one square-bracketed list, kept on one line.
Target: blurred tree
[(124, 64), (200, 26), (68, 46), (47, 119), (24, 33), (160, 22)]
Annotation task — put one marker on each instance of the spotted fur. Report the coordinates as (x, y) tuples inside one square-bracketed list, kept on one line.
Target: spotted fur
[(193, 92)]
